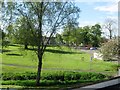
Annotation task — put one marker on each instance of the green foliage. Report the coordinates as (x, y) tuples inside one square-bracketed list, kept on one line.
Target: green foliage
[(18, 76), (57, 78), (4, 39), (62, 76), (59, 39), (19, 82), (88, 35), (23, 34), (48, 79), (5, 43), (2, 34), (116, 67)]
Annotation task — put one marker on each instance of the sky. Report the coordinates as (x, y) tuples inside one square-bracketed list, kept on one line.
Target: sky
[(97, 12)]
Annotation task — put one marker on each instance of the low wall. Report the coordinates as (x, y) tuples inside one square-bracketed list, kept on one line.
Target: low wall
[(97, 56)]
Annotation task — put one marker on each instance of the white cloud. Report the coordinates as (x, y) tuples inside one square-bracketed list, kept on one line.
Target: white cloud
[(109, 8)]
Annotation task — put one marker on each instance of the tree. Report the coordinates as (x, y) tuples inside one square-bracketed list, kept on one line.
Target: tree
[(2, 36), (48, 17), (23, 33), (69, 32), (110, 49), (59, 39), (88, 35), (3, 40), (109, 25), (95, 35)]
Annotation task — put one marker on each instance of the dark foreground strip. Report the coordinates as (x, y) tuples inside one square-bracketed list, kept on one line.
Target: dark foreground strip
[(114, 87), (112, 84)]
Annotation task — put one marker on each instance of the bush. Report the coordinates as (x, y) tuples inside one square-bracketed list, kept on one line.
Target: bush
[(115, 67), (18, 76), (47, 79), (61, 76), (110, 50), (19, 82)]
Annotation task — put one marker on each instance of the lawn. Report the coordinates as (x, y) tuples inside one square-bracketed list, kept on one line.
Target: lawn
[(15, 59), (55, 60)]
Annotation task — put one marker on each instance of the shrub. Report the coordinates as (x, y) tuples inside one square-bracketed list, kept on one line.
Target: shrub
[(60, 76), (115, 67), (47, 79), (110, 49), (18, 76)]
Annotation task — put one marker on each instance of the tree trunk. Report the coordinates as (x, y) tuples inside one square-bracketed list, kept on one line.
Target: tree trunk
[(110, 34), (26, 46), (40, 45), (39, 70)]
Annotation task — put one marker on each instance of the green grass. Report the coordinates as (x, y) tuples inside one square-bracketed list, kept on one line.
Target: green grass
[(54, 58), (17, 60)]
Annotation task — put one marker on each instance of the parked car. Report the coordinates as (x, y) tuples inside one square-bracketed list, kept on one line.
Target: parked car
[(93, 48)]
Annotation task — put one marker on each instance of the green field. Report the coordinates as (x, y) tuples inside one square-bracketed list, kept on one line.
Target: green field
[(16, 59), (57, 62)]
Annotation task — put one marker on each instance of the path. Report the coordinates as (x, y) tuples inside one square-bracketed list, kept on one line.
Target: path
[(89, 51), (55, 69)]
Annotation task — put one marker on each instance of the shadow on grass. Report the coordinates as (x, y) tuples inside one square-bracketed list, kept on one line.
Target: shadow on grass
[(14, 54), (62, 52), (16, 45), (32, 49), (58, 51), (2, 51)]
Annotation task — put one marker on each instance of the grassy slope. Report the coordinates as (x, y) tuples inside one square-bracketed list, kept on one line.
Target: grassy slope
[(51, 59)]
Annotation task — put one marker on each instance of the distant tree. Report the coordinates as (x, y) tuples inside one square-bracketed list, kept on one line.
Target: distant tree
[(95, 35), (87, 35), (3, 34), (23, 33), (59, 39), (69, 33), (3, 40), (109, 25)]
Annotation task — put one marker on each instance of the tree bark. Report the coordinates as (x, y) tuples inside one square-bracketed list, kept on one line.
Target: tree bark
[(39, 70)]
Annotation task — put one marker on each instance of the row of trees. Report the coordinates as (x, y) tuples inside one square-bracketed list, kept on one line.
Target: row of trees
[(87, 35), (71, 35)]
